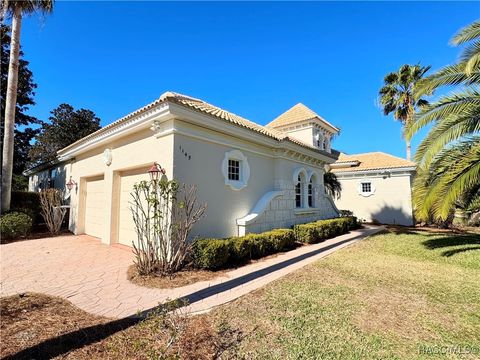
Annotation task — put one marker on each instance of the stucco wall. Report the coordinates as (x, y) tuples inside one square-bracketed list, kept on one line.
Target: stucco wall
[(391, 203), (198, 161), (140, 149), (202, 167), (193, 154)]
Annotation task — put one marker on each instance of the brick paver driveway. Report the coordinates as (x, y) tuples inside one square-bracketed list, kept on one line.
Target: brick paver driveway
[(78, 268), (93, 276)]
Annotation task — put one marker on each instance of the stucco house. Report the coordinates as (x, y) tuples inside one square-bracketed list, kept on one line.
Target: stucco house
[(253, 178), (376, 187)]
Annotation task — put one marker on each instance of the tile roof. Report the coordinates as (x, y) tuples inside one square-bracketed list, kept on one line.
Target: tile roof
[(297, 114), (369, 161), (209, 109)]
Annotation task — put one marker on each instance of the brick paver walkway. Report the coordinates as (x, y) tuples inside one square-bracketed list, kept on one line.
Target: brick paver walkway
[(93, 276)]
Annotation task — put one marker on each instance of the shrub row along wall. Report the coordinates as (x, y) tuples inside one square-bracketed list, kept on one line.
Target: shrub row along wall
[(318, 231), (213, 254)]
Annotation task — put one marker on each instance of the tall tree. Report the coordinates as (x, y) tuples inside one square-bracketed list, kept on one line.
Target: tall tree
[(66, 125), (398, 95), (24, 133), (449, 156), (14, 9)]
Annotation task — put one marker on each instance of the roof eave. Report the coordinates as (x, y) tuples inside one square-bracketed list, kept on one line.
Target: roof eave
[(377, 171)]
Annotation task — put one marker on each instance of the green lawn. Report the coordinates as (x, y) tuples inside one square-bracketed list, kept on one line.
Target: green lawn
[(386, 297)]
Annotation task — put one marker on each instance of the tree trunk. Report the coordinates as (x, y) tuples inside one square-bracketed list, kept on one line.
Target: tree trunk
[(10, 104), (409, 149)]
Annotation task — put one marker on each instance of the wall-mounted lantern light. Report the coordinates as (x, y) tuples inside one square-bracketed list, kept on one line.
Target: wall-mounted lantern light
[(70, 184), (155, 171)]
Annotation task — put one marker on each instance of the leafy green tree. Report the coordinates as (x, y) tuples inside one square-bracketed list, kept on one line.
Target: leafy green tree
[(333, 186), (24, 133), (66, 126), (398, 95), (15, 9), (449, 156)]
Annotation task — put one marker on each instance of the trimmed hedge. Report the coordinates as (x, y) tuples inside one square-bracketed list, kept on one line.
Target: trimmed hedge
[(321, 230), (14, 225), (210, 254), (213, 254)]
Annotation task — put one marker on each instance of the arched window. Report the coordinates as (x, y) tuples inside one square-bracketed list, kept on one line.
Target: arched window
[(311, 199), (299, 191)]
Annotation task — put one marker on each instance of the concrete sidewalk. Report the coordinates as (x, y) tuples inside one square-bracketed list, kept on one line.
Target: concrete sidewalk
[(93, 276)]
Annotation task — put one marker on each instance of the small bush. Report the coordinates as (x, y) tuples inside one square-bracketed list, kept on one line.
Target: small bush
[(281, 239), (240, 249), (306, 233), (14, 225), (210, 254)]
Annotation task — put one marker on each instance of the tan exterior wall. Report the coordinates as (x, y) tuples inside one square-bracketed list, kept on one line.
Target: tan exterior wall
[(391, 203), (303, 134), (139, 150), (192, 154), (198, 157)]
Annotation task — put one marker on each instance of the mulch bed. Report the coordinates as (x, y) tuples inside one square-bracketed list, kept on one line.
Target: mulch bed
[(181, 278), (37, 326)]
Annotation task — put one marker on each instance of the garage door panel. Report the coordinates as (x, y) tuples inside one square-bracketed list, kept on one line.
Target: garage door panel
[(126, 225), (95, 207)]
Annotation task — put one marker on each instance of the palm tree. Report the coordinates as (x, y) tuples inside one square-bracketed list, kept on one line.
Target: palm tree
[(398, 95), (333, 186), (15, 10), (449, 156)]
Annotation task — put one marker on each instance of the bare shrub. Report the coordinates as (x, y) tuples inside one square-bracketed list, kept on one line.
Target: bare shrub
[(51, 201), (164, 214)]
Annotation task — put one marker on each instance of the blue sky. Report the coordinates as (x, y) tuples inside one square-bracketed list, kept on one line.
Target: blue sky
[(254, 59)]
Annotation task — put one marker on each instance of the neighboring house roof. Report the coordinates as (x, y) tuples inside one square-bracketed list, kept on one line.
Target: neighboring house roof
[(206, 108), (43, 166), (369, 161), (297, 114)]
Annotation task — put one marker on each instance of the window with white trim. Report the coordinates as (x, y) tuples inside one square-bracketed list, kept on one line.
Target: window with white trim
[(366, 187), (234, 169)]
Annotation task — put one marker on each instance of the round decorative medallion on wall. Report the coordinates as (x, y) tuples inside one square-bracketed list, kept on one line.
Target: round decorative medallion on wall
[(107, 157)]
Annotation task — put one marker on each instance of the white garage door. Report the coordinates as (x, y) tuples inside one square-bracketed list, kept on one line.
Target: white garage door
[(95, 207), (126, 226)]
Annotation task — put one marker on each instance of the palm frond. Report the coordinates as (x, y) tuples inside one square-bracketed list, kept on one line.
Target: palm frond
[(444, 132), (452, 174), (449, 105), (448, 76), (467, 33)]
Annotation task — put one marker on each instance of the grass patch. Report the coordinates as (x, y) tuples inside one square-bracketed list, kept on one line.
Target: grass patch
[(385, 297)]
